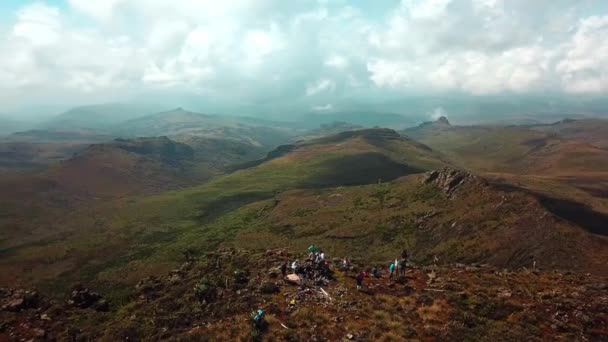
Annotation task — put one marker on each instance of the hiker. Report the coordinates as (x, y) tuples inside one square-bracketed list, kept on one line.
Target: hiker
[(533, 259), (307, 271), (376, 272), (345, 265), (391, 268), (294, 266), (321, 256), (359, 279), (284, 268), (403, 262), (313, 256), (258, 320)]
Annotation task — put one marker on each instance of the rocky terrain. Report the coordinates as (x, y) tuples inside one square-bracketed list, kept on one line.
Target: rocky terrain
[(210, 298)]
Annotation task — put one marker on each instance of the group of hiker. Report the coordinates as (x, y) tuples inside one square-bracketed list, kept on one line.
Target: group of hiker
[(315, 267), (396, 268)]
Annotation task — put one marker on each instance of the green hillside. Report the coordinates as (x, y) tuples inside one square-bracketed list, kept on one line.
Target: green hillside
[(124, 231)]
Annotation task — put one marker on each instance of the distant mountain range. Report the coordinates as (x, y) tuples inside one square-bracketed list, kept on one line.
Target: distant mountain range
[(8, 126), (99, 117)]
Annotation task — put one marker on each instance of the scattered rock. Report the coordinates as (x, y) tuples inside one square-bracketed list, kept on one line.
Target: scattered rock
[(504, 294), (149, 288), (17, 300), (14, 304), (39, 333)]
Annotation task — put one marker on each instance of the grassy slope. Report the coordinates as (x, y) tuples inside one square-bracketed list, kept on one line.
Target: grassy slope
[(480, 224), (511, 149), (542, 162), (475, 147), (592, 131)]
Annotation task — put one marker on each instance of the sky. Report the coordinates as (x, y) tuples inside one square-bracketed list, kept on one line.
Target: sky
[(312, 54)]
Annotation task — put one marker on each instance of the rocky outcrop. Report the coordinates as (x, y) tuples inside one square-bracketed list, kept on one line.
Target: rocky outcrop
[(17, 300), (83, 298), (450, 180)]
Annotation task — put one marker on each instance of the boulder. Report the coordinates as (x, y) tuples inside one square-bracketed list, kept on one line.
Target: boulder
[(84, 298), (293, 279)]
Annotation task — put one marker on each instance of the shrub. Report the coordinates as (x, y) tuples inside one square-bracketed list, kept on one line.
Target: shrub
[(269, 288), (205, 291)]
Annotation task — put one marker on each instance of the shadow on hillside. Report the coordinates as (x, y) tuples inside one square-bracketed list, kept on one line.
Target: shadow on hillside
[(276, 153), (364, 168), (578, 213), (359, 169), (226, 204)]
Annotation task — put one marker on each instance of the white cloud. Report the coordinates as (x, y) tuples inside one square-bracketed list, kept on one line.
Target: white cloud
[(262, 50), (323, 108), (584, 68), (322, 85), (437, 113), (336, 61), (40, 24), (389, 73), (96, 9)]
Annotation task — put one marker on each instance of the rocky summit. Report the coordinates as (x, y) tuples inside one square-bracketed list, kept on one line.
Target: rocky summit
[(210, 299)]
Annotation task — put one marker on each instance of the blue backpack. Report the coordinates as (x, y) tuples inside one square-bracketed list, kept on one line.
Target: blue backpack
[(259, 315)]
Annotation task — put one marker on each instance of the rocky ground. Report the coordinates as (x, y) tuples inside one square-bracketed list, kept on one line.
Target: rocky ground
[(211, 298)]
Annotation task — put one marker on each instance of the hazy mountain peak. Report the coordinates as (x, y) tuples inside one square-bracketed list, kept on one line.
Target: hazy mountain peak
[(443, 121)]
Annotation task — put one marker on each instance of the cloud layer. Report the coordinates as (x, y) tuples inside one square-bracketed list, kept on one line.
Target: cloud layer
[(306, 52)]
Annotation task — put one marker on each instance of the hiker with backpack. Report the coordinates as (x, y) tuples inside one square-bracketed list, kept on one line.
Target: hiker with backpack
[(391, 268), (359, 278), (258, 319)]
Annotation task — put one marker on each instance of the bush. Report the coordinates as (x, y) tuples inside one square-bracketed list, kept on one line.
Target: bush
[(205, 291), (269, 288)]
